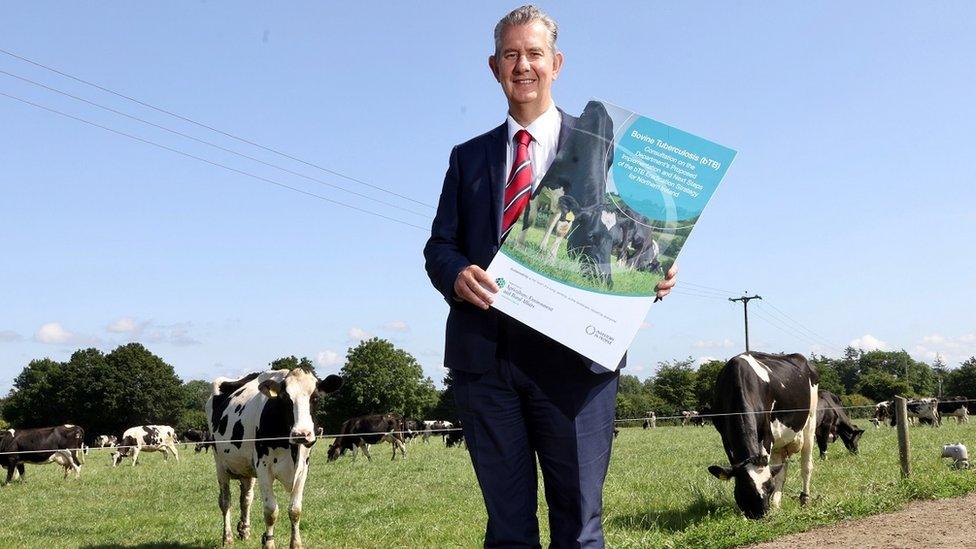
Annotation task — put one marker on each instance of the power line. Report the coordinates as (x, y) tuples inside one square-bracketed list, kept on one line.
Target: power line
[(213, 129), (212, 163), (211, 144), (782, 313)]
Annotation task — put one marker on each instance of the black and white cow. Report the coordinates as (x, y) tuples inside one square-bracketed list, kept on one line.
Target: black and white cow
[(146, 438), (650, 422), (412, 428), (957, 407), (456, 438), (766, 410), (688, 417), (926, 410), (832, 422), (883, 412), (263, 429), (61, 444), (436, 427), (361, 432), (106, 441), (202, 438)]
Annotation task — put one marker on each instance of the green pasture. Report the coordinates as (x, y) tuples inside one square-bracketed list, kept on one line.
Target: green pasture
[(658, 494), (564, 269)]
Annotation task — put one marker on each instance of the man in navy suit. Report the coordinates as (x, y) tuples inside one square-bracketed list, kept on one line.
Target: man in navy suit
[(520, 395)]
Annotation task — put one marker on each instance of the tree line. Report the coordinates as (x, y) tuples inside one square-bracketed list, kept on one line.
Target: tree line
[(107, 393)]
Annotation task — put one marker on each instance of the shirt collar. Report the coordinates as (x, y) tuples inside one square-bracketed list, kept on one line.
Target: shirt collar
[(544, 129)]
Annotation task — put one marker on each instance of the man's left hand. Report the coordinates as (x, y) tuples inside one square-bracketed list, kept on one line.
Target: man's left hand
[(663, 287)]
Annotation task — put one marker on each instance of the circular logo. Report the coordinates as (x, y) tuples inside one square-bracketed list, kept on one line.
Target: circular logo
[(500, 282), (590, 330)]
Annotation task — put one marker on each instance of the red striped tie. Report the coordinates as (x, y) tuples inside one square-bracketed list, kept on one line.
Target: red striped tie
[(518, 189)]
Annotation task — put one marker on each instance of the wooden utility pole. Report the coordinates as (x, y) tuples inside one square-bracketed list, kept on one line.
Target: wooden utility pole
[(904, 451), (745, 309)]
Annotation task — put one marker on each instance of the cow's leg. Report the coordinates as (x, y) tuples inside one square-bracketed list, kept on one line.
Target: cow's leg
[(295, 507), (247, 496), (176, 454), (778, 458), (555, 247), (223, 501), (135, 455), (552, 226), (270, 507), (806, 454), (366, 452), (397, 443)]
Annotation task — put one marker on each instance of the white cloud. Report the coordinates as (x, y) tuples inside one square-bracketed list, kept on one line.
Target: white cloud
[(868, 342), (703, 359), (707, 344), (935, 339), (397, 326), (328, 358), (54, 333), (7, 336), (358, 334), (952, 350), (122, 325)]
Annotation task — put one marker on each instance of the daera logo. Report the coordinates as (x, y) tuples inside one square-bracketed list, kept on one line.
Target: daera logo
[(590, 330), (500, 282)]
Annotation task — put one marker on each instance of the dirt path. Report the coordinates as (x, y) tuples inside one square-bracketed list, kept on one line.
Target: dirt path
[(948, 523)]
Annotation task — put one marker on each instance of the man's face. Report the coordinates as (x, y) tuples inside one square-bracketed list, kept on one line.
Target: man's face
[(525, 66)]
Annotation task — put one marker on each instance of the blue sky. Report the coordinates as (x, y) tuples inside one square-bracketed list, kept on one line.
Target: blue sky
[(849, 207)]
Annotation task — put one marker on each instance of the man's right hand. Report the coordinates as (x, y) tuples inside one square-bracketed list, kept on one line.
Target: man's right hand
[(475, 286)]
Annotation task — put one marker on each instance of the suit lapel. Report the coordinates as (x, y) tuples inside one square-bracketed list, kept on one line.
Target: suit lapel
[(495, 149), (565, 128)]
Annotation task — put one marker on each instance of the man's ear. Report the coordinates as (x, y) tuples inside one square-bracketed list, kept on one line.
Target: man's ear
[(330, 384), (557, 64), (493, 65), (721, 473), (270, 388)]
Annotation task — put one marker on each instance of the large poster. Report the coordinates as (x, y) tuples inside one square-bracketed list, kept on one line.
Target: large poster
[(604, 224)]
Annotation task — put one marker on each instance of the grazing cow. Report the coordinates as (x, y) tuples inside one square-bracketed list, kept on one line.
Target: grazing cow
[(700, 418), (924, 410), (874, 421), (106, 441), (454, 438), (436, 427), (884, 411), (60, 444), (957, 407), (202, 438), (832, 422), (412, 428), (688, 416), (263, 425), (146, 438), (766, 410), (634, 245), (360, 432), (64, 442), (650, 422)]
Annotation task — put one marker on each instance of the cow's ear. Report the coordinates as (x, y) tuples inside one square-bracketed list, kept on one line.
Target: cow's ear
[(330, 384), (721, 473), (775, 470), (270, 388)]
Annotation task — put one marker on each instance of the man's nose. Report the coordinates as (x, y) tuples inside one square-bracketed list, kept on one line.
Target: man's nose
[(522, 64)]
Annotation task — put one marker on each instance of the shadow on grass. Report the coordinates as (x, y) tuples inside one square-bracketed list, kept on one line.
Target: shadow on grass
[(153, 545), (704, 507)]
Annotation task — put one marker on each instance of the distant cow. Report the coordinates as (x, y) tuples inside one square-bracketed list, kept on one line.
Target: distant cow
[(146, 438), (436, 427), (276, 408), (650, 422), (957, 407), (412, 428), (360, 432), (454, 438), (688, 417), (60, 444), (832, 422), (766, 410), (885, 411), (203, 439), (925, 409), (700, 418), (106, 441)]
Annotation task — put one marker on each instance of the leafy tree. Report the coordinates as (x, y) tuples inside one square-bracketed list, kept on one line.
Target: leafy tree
[(830, 378), (33, 400), (962, 380), (292, 362), (379, 378), (857, 406), (705, 381), (629, 385), (195, 396), (675, 385), (878, 385)]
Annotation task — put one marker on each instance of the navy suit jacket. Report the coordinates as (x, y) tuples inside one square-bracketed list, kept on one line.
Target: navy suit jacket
[(467, 230)]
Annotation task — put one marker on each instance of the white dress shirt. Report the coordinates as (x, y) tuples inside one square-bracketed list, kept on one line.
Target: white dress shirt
[(542, 151)]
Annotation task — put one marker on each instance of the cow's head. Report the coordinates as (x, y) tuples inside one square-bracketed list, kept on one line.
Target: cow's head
[(755, 482), (590, 242), (294, 398), (850, 438)]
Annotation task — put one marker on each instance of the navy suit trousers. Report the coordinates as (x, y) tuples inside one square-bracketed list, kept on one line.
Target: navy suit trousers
[(538, 400)]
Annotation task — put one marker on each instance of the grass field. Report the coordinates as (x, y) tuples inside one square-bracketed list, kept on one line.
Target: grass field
[(658, 494), (564, 269)]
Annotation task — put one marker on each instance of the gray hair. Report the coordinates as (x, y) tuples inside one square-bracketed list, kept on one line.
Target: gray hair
[(526, 15)]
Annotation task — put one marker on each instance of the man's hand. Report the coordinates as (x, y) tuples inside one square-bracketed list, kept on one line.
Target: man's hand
[(475, 286), (663, 287)]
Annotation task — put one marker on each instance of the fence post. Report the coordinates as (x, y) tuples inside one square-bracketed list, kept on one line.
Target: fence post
[(904, 452)]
